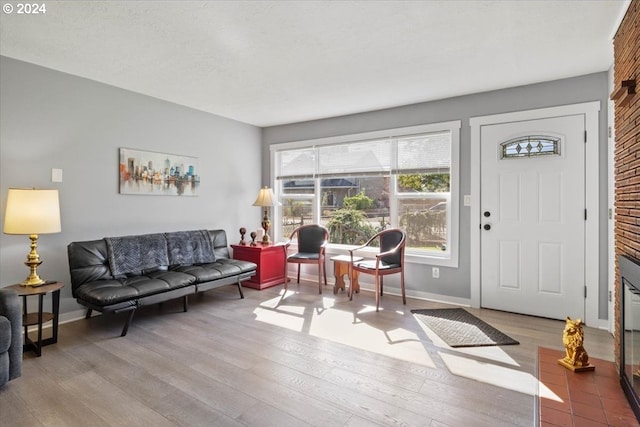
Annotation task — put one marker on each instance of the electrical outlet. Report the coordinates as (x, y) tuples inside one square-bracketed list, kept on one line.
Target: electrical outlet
[(467, 200), (435, 272)]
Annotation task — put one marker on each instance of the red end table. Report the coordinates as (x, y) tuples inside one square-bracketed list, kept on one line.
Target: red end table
[(270, 260)]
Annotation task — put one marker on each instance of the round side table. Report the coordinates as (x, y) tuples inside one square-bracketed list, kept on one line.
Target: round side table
[(40, 317)]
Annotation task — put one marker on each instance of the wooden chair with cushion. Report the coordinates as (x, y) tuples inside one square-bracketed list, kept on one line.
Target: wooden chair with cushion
[(389, 260), (312, 240)]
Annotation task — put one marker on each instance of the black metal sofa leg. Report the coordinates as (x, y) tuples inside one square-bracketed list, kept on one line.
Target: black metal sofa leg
[(185, 304), (127, 323), (88, 315), (240, 290)]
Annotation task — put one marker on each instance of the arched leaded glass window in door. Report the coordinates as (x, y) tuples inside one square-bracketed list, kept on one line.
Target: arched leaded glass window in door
[(530, 146)]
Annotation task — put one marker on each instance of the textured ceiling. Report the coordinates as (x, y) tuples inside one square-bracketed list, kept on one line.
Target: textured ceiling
[(277, 62)]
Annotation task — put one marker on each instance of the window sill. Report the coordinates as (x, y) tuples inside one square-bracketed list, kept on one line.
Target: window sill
[(411, 258), (439, 261)]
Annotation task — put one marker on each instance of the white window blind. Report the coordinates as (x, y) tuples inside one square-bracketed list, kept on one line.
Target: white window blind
[(411, 154), (296, 164), (424, 153), (359, 158)]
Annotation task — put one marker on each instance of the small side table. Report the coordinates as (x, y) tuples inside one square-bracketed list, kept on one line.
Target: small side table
[(29, 319), (341, 265), (270, 260)]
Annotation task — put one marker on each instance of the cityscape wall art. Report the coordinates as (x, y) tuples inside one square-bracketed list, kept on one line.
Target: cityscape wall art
[(158, 174)]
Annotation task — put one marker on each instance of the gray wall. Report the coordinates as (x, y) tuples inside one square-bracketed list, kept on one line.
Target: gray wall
[(51, 120), (456, 282)]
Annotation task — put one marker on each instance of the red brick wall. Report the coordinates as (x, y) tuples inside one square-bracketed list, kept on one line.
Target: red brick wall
[(627, 148)]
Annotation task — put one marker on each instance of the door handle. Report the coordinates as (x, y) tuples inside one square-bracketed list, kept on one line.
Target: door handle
[(487, 227), (487, 214)]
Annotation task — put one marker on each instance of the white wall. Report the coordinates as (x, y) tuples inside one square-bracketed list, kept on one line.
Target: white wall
[(51, 120)]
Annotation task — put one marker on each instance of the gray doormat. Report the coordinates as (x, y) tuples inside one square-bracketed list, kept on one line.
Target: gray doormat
[(459, 328)]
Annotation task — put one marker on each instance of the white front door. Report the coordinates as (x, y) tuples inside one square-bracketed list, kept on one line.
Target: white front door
[(532, 206)]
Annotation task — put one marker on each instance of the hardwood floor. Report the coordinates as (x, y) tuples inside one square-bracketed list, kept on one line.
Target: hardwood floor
[(305, 359)]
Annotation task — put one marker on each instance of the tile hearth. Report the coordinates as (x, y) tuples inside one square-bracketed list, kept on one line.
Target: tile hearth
[(581, 399)]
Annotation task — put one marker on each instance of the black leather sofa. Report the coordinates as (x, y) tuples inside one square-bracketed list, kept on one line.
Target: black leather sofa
[(120, 274)]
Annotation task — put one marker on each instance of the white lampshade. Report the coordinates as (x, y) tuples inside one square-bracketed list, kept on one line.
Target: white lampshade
[(265, 197), (32, 211)]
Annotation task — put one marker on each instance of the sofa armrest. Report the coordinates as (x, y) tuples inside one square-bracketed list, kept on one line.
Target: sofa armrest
[(11, 309)]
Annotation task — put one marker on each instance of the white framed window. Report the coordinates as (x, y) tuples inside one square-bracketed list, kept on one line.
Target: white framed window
[(357, 185)]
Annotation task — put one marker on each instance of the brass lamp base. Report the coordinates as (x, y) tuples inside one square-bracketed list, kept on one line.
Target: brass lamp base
[(33, 261), (33, 281), (265, 225)]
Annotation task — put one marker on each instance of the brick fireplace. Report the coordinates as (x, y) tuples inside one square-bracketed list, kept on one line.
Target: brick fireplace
[(627, 180)]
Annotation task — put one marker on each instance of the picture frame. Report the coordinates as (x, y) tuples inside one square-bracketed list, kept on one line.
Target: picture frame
[(158, 174)]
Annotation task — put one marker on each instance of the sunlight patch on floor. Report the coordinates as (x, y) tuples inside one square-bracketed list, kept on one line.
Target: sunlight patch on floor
[(546, 393), (274, 302), (341, 327), (367, 309), (487, 373), (362, 328), (344, 327), (494, 353), (328, 302), (282, 318)]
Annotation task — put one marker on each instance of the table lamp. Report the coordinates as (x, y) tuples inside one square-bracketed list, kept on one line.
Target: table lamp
[(265, 199), (32, 212)]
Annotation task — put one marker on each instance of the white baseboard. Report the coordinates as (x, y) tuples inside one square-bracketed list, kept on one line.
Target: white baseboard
[(390, 290), (71, 316)]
